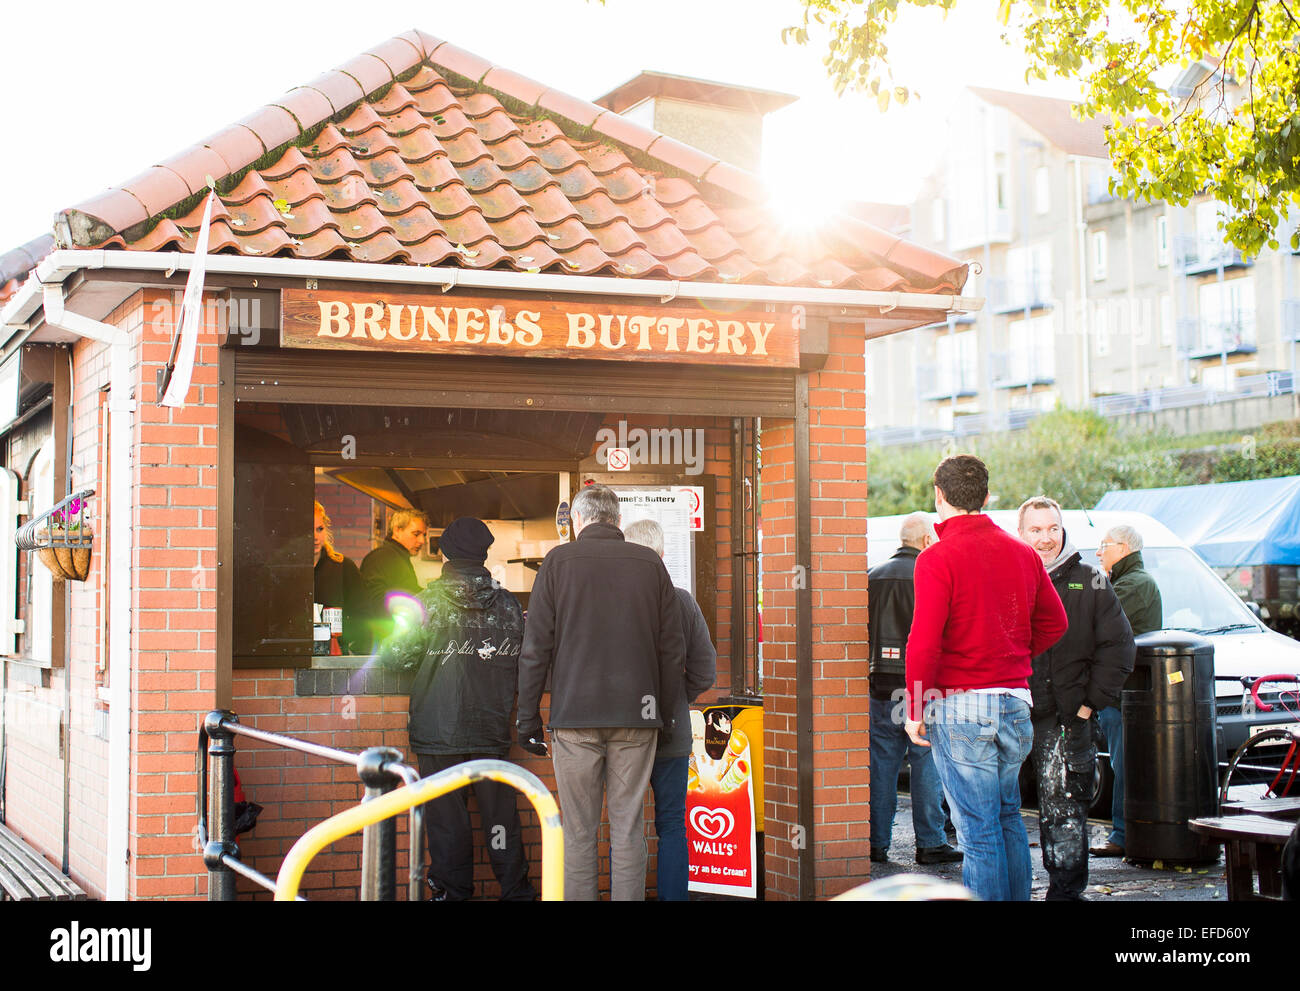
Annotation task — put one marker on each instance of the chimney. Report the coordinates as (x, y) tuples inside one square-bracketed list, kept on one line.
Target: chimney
[(718, 118)]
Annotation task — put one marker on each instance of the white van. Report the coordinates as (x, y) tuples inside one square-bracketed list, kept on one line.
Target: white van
[(1193, 597)]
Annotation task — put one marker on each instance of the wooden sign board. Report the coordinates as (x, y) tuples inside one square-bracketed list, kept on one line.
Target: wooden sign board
[(435, 323)]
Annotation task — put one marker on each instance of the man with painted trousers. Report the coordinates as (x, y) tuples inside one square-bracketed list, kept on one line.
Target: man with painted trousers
[(984, 608), (1072, 680)]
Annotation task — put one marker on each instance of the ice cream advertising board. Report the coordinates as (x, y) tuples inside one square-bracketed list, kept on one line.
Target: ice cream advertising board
[(720, 812)]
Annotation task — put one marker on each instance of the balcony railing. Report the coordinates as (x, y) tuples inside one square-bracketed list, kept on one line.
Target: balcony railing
[(943, 381), (1291, 319), (1211, 338), (1010, 295), (1196, 255), (1014, 369), (1148, 401)]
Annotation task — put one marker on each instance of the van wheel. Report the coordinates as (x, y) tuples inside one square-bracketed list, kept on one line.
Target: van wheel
[(1103, 789)]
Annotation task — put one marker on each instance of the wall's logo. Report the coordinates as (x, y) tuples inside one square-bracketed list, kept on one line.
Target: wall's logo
[(712, 824)]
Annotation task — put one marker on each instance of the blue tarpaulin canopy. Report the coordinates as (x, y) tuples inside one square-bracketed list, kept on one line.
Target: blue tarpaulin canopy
[(1228, 524)]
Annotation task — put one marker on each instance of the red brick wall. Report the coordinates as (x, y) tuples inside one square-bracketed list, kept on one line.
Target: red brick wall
[(173, 609), (349, 512), (838, 583)]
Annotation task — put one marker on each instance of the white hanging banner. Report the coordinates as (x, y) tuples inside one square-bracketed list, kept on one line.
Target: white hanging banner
[(191, 315)]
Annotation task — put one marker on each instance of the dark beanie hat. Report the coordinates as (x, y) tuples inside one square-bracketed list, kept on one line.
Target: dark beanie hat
[(466, 539)]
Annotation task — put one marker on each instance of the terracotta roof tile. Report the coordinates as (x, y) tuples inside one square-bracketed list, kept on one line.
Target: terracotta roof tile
[(368, 70), (682, 156), (435, 171), (459, 61), (157, 189), (236, 145), (340, 89), (273, 126), (569, 107), (419, 41), (194, 167), (306, 105), (625, 132), (526, 91), (398, 54)]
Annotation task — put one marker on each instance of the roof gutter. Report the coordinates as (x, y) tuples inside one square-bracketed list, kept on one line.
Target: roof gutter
[(121, 406), (60, 264)]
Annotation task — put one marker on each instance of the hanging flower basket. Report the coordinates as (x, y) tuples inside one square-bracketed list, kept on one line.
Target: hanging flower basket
[(62, 538), (66, 562)]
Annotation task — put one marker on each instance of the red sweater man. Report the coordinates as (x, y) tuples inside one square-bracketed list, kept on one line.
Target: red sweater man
[(984, 610)]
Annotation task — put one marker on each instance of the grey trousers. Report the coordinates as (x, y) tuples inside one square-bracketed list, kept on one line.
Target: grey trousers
[(592, 764)]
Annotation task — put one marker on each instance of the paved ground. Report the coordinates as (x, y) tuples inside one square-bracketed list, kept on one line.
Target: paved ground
[(1109, 879)]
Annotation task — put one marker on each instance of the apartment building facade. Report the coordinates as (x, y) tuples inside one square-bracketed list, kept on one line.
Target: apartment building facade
[(1091, 300)]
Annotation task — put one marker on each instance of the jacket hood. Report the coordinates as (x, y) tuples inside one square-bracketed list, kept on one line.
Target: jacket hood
[(466, 585), (1068, 557)]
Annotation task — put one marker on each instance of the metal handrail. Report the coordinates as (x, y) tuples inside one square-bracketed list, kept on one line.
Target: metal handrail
[(373, 763), (395, 802)]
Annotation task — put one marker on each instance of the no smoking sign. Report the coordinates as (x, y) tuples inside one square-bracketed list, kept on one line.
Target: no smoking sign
[(620, 459)]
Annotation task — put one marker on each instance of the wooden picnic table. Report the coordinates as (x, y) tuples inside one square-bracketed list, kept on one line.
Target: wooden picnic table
[(1272, 808), (1252, 848)]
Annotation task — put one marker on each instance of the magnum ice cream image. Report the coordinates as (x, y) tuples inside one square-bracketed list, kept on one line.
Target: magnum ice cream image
[(729, 769), (720, 808)]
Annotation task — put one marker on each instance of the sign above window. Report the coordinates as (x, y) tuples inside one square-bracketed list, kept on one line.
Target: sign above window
[(619, 331)]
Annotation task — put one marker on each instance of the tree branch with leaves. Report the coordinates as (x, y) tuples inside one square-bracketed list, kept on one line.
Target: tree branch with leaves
[(1234, 137)]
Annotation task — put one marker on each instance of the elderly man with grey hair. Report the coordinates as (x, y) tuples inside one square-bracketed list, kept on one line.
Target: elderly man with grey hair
[(668, 778), (604, 623), (890, 604), (1120, 554)]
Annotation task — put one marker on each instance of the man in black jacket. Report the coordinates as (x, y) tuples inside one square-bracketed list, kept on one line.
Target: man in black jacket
[(1139, 596), (603, 621), (388, 567), (891, 599), (668, 779), (465, 654), (1081, 674)]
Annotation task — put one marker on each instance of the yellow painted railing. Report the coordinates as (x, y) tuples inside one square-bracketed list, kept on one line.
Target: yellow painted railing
[(398, 801)]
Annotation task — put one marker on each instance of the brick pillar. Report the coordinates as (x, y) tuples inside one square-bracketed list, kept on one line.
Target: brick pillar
[(838, 846), (173, 608)]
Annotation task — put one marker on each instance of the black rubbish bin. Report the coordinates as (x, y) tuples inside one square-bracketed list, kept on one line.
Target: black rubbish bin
[(1170, 763)]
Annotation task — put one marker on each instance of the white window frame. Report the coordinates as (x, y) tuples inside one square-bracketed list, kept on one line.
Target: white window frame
[(9, 512), (1162, 240), (1100, 256), (39, 632)]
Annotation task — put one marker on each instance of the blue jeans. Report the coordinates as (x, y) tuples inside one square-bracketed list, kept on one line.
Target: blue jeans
[(889, 743), (1112, 725), (979, 743), (668, 779)]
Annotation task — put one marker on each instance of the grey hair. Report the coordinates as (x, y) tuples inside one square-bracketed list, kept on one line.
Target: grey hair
[(1125, 534), (597, 504), (403, 518), (915, 529), (646, 532)]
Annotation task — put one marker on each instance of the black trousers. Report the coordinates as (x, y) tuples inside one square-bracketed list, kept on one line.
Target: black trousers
[(1063, 822), (451, 842)]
